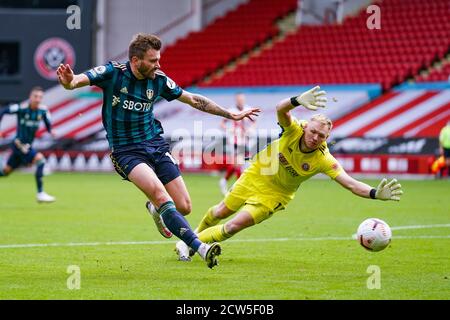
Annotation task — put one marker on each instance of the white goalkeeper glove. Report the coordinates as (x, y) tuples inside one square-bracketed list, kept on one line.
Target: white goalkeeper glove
[(389, 190), (311, 99)]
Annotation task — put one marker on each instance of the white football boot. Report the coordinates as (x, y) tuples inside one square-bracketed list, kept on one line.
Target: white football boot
[(44, 197), (209, 253), (182, 251), (163, 230)]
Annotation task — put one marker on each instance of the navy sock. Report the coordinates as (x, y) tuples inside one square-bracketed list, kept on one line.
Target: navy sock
[(178, 225), (39, 174)]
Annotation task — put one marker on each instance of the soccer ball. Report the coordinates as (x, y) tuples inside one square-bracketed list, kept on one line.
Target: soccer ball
[(374, 234)]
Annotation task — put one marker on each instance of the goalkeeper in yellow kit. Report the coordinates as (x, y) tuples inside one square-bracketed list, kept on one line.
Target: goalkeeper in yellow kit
[(276, 172)]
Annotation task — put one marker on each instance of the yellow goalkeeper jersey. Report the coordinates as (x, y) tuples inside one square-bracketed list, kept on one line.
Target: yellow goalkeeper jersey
[(279, 169)]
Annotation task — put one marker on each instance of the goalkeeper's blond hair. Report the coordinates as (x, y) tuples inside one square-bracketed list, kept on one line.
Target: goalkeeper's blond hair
[(322, 119)]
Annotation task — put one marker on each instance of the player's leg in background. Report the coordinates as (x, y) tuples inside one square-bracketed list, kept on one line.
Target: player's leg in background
[(5, 171), (447, 161), (238, 171), (39, 160), (223, 183), (147, 181), (240, 161), (12, 163)]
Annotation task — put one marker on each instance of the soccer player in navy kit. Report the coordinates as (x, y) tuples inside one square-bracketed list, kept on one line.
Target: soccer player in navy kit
[(138, 151), (29, 117)]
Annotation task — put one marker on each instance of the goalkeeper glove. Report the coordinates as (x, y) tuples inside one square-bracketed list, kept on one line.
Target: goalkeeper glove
[(311, 99), (388, 190)]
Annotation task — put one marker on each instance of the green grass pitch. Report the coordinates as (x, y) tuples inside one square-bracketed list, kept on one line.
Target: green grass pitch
[(303, 252)]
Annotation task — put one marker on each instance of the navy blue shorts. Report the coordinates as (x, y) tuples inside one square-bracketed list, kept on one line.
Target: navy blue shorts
[(155, 153), (446, 153), (19, 158)]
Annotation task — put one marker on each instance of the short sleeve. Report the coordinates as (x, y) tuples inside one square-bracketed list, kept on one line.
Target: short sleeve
[(170, 90), (295, 127), (100, 75), (13, 108), (331, 167)]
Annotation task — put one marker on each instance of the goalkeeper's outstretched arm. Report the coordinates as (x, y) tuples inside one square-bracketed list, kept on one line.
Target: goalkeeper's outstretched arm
[(391, 190), (311, 99)]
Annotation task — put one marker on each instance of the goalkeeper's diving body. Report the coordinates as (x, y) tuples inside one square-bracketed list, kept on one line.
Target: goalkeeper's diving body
[(138, 151), (276, 173)]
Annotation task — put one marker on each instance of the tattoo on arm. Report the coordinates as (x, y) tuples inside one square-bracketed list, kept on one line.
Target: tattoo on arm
[(206, 105)]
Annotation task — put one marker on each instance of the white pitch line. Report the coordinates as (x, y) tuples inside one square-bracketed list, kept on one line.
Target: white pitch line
[(122, 243), (81, 244), (424, 226)]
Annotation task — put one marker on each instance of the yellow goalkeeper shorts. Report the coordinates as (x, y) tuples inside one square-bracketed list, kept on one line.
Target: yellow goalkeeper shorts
[(244, 197)]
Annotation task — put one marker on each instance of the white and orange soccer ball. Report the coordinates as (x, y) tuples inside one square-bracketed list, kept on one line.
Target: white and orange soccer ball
[(374, 234)]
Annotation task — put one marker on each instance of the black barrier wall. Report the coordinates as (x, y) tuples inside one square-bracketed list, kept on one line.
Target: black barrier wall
[(35, 36)]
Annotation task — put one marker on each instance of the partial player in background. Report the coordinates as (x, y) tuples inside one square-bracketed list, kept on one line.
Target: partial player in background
[(138, 151), (276, 173), (237, 139), (444, 146), (29, 116)]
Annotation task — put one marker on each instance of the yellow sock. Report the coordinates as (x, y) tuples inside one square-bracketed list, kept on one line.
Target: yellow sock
[(214, 234), (208, 220)]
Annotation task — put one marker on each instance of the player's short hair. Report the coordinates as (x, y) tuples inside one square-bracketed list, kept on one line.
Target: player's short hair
[(322, 119), (36, 88), (141, 43)]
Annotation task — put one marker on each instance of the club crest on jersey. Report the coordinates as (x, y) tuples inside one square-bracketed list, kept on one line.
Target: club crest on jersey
[(305, 166), (149, 94)]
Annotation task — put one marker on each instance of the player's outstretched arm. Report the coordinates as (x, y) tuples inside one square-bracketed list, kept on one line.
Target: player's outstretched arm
[(391, 190), (48, 125), (207, 105), (311, 99), (69, 80)]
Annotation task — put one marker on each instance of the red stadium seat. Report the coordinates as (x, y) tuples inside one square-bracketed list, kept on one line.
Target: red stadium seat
[(224, 40), (414, 34)]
